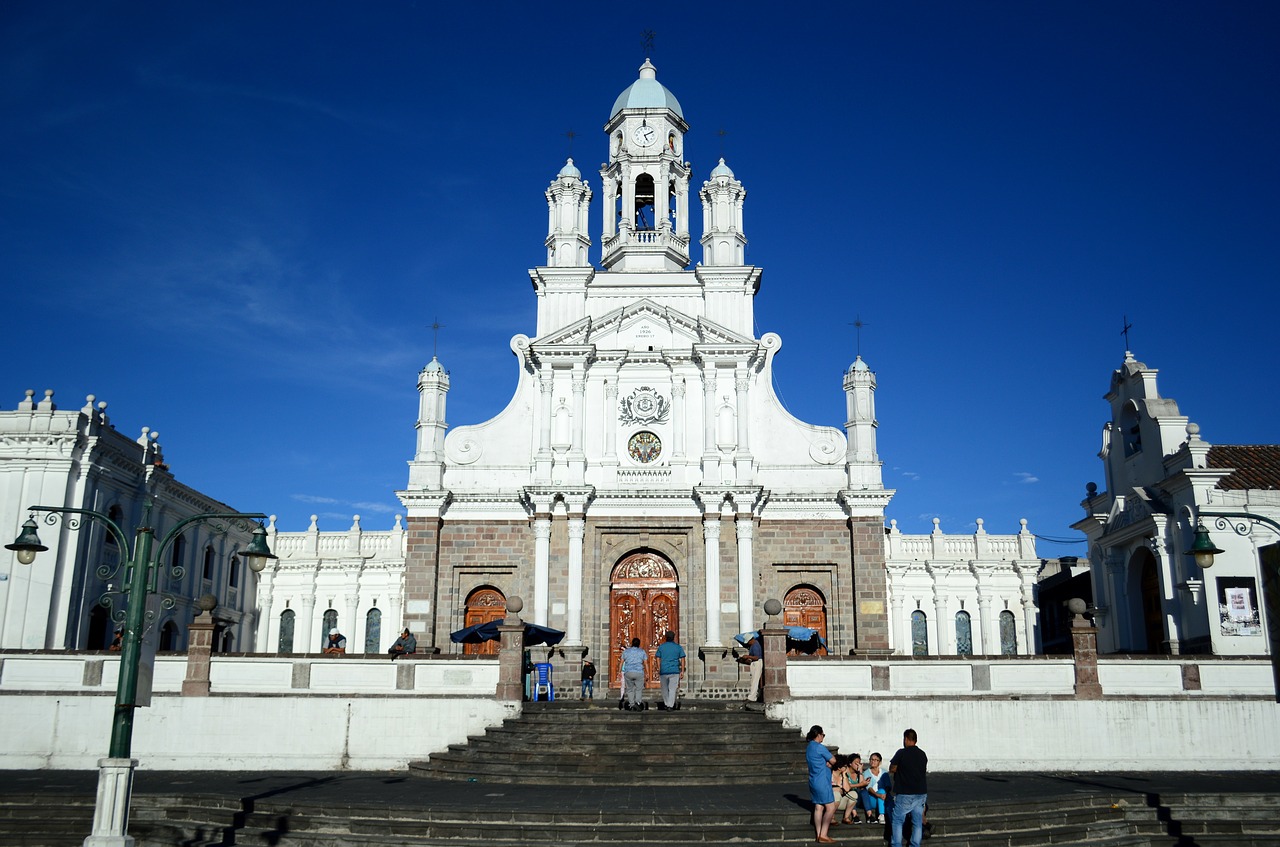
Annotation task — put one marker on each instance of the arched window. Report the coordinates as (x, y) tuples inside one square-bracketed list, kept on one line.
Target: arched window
[(117, 517), (645, 218), (1130, 429), (208, 562), (168, 636), (330, 622), (178, 552), (373, 631), (964, 634), (99, 628), (919, 634), (233, 575), (286, 631), (1008, 634)]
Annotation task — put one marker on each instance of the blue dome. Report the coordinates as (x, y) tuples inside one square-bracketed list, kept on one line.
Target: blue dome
[(722, 170), (647, 93), (570, 170)]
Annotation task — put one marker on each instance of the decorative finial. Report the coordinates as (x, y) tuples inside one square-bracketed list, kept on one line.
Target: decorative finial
[(646, 42), (858, 324), (1125, 332), (436, 326)]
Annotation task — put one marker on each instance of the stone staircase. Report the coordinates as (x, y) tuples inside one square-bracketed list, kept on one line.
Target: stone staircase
[(594, 743), (1092, 820)]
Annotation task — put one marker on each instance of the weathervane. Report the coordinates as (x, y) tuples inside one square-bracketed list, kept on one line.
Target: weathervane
[(1125, 332), (571, 135), (646, 42), (858, 324), (435, 336)]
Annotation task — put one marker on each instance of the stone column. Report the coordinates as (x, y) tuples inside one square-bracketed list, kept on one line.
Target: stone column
[(262, 641), (199, 656), (577, 529), (304, 626), (1084, 645), (776, 689), (742, 455), (985, 625), (711, 541), (577, 459), (511, 654), (710, 457), (746, 600), (546, 383), (677, 418), (355, 627), (541, 566), (611, 421)]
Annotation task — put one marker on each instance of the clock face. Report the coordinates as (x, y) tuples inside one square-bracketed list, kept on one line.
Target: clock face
[(644, 135), (644, 447)]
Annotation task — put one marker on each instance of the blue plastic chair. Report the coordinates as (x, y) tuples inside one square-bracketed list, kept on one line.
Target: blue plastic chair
[(543, 686)]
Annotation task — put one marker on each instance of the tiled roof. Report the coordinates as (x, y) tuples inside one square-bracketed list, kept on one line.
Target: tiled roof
[(1257, 465)]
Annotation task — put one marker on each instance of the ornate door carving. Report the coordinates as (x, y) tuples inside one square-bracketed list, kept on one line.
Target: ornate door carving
[(644, 603), (484, 605), (804, 606)]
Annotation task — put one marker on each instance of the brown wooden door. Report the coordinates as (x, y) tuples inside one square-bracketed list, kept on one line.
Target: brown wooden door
[(484, 605), (643, 603), (805, 607)]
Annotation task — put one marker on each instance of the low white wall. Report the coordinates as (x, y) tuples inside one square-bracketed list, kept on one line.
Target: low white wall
[(244, 732), (986, 734)]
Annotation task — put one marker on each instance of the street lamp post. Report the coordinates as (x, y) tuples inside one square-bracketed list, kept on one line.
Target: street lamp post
[(115, 773)]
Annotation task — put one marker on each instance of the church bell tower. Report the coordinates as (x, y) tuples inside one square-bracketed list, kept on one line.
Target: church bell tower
[(646, 180)]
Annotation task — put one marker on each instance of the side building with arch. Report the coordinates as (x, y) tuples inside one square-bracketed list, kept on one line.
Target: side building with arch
[(1162, 480)]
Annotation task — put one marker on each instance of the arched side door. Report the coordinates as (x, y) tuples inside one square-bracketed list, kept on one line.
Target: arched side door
[(805, 606), (484, 605), (644, 603)]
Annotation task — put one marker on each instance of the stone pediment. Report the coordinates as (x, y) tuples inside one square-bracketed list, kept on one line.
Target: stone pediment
[(643, 325)]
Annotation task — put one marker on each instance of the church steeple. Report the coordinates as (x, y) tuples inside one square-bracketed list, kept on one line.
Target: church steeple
[(723, 242), (646, 180), (568, 199), (862, 462)]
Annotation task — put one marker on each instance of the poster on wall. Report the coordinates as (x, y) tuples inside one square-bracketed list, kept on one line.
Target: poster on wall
[(1238, 606)]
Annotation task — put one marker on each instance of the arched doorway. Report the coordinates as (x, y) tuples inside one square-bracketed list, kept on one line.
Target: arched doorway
[(1152, 608), (644, 603), (805, 606), (484, 605)]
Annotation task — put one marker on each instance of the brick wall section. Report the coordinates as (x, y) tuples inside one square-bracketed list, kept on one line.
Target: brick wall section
[(870, 585), (818, 553), (420, 569), (471, 555)]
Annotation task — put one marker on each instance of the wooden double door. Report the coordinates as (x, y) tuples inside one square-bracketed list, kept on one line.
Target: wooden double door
[(644, 603)]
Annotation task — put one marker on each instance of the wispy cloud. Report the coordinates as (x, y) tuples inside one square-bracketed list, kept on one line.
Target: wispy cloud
[(311, 498), (1026, 478), (912, 475)]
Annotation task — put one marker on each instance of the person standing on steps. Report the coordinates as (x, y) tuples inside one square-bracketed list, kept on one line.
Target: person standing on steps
[(754, 659), (909, 767), (588, 680), (820, 761), (633, 659), (670, 669)]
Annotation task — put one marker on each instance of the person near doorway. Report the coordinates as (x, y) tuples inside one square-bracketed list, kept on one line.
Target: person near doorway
[(633, 659), (405, 645), (116, 641), (588, 680), (754, 660), (909, 768), (670, 668), (337, 644)]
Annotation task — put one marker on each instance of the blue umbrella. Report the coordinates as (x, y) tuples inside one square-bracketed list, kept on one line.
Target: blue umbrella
[(488, 631), (801, 638)]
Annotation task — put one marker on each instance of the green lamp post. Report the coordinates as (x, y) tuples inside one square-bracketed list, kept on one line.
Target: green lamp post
[(141, 576)]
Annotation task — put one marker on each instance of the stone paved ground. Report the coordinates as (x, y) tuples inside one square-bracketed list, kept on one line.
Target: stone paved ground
[(399, 789)]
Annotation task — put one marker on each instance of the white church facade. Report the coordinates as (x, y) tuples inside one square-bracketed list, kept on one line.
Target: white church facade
[(644, 476)]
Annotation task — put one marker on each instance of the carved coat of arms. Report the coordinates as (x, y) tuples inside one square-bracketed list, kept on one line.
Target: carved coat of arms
[(644, 406)]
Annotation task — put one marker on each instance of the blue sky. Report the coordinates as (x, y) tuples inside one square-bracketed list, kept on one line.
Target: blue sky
[(236, 222)]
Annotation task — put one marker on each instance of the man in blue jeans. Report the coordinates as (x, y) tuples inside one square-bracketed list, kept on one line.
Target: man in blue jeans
[(911, 791)]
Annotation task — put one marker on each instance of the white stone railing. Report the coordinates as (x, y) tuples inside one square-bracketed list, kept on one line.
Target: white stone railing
[(1029, 676), (259, 674), (979, 546)]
